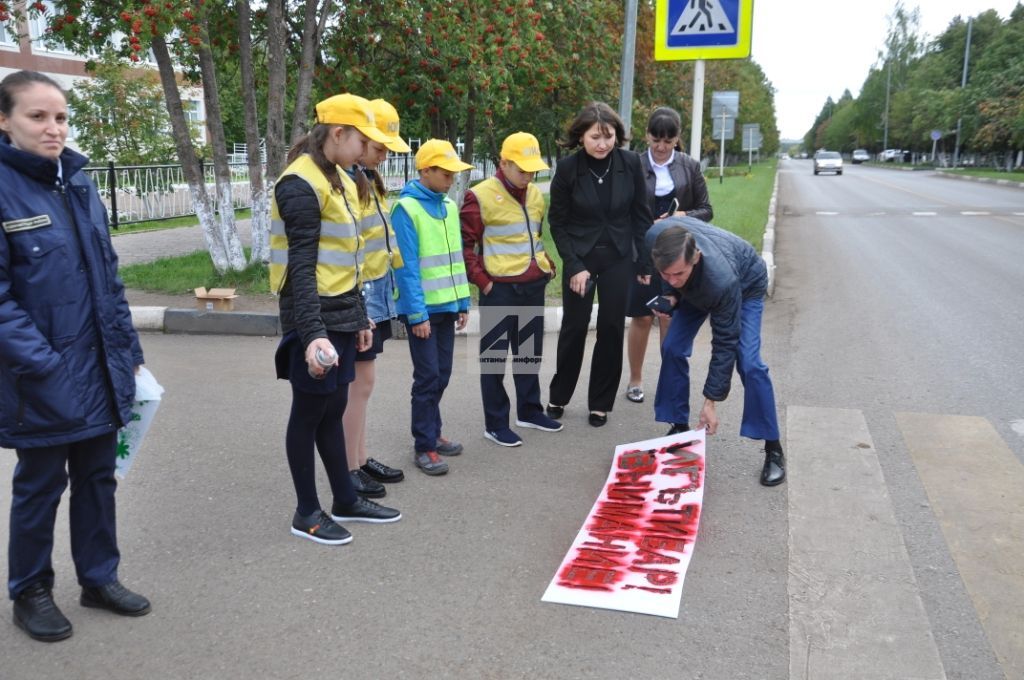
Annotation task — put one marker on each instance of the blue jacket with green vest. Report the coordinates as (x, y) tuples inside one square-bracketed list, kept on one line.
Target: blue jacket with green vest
[(68, 349), (410, 301)]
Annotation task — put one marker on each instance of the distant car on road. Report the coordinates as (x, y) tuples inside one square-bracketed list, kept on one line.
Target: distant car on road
[(860, 156), (828, 161), (890, 156)]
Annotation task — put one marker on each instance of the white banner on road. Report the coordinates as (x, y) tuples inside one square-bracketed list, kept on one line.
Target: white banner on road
[(635, 546)]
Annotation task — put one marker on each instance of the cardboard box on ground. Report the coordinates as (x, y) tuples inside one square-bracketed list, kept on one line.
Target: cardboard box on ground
[(215, 299)]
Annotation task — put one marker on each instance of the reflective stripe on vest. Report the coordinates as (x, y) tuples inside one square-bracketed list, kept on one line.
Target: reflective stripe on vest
[(340, 251), (509, 243), (376, 241), (442, 269)]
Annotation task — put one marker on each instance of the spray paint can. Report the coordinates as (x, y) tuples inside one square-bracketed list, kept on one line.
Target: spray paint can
[(326, 361)]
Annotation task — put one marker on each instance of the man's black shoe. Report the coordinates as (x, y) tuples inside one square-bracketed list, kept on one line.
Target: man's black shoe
[(382, 472), (774, 470), (364, 510), (366, 486), (36, 613), (116, 598), (677, 428), (555, 412)]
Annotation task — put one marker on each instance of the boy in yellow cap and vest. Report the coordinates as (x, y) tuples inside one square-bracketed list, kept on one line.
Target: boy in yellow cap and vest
[(502, 225), (433, 292)]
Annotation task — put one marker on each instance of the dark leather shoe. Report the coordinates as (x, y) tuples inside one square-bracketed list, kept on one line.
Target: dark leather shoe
[(677, 428), (597, 419), (382, 472), (774, 471), (553, 411), (36, 613), (116, 598), (366, 486)]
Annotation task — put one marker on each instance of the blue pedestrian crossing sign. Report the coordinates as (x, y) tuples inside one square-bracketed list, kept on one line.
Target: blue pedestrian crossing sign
[(702, 29)]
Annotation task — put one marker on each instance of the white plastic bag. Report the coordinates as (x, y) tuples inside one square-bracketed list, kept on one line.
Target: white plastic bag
[(129, 438)]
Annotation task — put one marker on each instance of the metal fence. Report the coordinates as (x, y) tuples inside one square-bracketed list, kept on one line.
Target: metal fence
[(143, 193)]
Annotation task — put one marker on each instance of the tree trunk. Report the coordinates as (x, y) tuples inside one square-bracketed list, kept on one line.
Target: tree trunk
[(187, 155), (276, 83), (312, 30), (467, 149), (260, 222), (226, 230)]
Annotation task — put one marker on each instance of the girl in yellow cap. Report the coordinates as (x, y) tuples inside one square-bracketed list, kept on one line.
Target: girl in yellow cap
[(380, 256), (314, 267)]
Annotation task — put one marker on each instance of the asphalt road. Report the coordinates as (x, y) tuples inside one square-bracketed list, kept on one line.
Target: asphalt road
[(885, 329)]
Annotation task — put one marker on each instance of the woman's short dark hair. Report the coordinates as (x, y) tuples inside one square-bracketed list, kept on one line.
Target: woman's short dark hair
[(18, 81), (664, 123), (671, 244), (594, 112)]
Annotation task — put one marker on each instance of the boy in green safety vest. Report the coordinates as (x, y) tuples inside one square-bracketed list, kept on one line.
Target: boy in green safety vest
[(433, 292)]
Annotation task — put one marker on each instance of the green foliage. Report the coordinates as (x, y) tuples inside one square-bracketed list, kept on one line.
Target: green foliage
[(741, 203), (119, 114), (925, 93)]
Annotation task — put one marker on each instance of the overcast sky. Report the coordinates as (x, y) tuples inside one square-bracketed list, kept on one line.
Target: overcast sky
[(813, 49)]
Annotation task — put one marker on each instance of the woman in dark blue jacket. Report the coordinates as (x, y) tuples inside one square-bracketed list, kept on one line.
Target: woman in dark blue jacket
[(68, 353)]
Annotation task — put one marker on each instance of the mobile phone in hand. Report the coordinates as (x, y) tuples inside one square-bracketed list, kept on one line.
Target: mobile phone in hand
[(660, 303), (672, 207), (589, 287)]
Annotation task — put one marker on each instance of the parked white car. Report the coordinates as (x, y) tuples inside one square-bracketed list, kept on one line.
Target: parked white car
[(860, 156)]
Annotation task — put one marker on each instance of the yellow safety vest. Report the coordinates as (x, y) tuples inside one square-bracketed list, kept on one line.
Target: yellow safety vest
[(339, 255), (380, 249), (512, 232)]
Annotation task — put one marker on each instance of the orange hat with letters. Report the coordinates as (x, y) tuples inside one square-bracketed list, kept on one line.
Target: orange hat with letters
[(387, 122), (353, 110)]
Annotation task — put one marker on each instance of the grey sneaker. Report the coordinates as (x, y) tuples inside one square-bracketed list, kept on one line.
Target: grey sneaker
[(430, 463), (447, 447)]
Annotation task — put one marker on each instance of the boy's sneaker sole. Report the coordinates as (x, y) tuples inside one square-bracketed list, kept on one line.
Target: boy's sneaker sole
[(490, 437), (535, 426), (370, 520)]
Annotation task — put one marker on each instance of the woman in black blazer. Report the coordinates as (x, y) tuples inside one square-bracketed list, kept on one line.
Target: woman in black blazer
[(598, 215)]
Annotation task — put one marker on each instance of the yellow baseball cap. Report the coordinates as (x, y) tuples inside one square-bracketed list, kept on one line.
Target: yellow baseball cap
[(387, 122), (523, 149), (350, 109), (439, 153)]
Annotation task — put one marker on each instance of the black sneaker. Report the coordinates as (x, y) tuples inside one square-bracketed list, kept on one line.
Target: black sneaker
[(320, 528), (364, 510), (677, 428), (36, 613), (366, 486), (382, 472)]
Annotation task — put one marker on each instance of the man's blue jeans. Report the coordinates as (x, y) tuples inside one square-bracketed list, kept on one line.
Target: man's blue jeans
[(672, 400)]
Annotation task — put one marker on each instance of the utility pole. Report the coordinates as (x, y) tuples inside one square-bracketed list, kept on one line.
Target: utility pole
[(628, 55), (963, 84), (697, 119), (888, 82)]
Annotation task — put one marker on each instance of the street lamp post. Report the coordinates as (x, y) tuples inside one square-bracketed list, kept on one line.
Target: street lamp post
[(963, 84)]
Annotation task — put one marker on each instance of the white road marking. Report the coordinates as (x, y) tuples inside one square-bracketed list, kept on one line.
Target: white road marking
[(825, 212), (854, 606), (975, 486), (1018, 425), (974, 213), (925, 214)]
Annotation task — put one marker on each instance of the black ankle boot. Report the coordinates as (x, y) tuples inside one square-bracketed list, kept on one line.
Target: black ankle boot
[(774, 470), (36, 613)]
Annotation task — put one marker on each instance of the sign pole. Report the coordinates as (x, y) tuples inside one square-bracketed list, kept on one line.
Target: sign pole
[(628, 56), (721, 154), (698, 109), (750, 151)]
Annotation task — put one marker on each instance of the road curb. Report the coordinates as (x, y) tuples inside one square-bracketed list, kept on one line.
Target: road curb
[(982, 180), (768, 241)]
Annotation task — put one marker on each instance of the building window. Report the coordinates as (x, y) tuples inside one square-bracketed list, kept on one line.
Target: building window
[(37, 33), (7, 39)]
